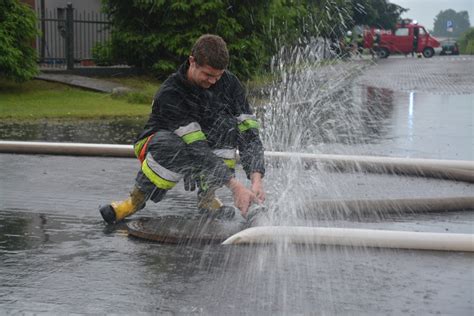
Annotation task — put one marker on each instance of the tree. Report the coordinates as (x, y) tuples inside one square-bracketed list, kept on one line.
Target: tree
[(158, 34), (460, 21), (17, 33), (379, 13), (327, 18)]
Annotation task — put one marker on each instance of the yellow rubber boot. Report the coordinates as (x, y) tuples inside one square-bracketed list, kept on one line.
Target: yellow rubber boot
[(209, 204), (116, 211), (209, 201)]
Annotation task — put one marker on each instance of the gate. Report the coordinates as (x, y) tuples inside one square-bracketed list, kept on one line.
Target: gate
[(68, 37)]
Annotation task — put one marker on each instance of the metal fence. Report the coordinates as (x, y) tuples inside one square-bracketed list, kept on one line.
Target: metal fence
[(68, 37)]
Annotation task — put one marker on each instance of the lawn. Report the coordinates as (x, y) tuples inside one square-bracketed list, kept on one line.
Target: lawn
[(37, 99)]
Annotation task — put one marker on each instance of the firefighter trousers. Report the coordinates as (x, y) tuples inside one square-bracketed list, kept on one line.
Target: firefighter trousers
[(166, 159)]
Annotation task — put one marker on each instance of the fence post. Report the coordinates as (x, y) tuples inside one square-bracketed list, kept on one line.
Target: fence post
[(69, 37), (43, 31)]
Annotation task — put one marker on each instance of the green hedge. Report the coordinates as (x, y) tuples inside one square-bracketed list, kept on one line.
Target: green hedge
[(469, 48), (466, 42)]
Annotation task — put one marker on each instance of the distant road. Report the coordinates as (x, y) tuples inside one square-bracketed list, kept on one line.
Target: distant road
[(440, 74)]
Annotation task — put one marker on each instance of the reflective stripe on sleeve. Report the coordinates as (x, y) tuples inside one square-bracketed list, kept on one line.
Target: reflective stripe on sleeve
[(246, 122), (190, 133), (159, 175)]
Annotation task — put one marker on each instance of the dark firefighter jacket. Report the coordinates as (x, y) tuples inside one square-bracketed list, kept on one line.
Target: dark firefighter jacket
[(218, 111)]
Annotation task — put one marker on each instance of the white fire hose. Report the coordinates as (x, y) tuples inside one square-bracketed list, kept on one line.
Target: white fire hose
[(353, 238), (445, 169)]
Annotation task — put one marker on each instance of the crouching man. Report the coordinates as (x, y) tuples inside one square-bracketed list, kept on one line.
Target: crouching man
[(199, 118)]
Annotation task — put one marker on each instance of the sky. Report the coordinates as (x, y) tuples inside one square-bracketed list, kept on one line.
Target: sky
[(424, 11)]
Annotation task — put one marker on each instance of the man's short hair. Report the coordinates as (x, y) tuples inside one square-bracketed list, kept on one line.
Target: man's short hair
[(211, 50)]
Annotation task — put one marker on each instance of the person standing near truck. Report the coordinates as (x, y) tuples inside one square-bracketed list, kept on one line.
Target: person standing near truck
[(347, 45), (416, 34), (360, 43), (375, 44)]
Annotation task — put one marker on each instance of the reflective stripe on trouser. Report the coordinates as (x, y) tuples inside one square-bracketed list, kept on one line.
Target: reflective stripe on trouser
[(228, 155), (161, 177), (140, 148), (137, 147), (169, 158), (207, 195), (162, 167), (246, 122)]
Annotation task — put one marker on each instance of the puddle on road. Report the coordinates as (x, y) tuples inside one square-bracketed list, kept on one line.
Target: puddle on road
[(59, 264), (430, 126)]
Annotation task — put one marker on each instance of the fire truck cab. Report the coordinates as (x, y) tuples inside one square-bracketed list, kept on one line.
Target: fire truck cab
[(407, 37)]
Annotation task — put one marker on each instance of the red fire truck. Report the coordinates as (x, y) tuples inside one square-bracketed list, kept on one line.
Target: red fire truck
[(407, 37)]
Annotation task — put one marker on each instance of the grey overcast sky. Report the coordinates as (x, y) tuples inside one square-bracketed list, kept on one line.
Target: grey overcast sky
[(424, 11)]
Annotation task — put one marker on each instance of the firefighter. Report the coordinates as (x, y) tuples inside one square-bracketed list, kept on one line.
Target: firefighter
[(375, 44), (414, 51), (348, 44), (199, 118), (360, 44)]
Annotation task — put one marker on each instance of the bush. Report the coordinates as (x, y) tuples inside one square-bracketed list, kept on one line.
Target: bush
[(469, 48), (466, 42), (132, 96), (18, 58), (102, 54), (138, 97)]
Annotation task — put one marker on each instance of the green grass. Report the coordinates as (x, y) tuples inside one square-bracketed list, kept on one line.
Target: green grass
[(40, 99), (37, 99), (144, 83)]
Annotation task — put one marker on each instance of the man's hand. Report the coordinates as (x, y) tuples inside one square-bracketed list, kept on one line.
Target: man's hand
[(243, 197), (257, 186)]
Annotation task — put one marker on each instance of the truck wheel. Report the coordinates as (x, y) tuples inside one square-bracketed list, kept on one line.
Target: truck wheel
[(428, 52), (383, 53)]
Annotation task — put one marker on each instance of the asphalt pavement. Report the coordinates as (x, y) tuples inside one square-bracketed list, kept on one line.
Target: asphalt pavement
[(58, 257)]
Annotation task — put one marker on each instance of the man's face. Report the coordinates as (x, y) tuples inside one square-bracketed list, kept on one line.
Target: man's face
[(203, 76)]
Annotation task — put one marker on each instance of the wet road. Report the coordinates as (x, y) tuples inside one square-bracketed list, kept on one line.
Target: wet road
[(57, 256)]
